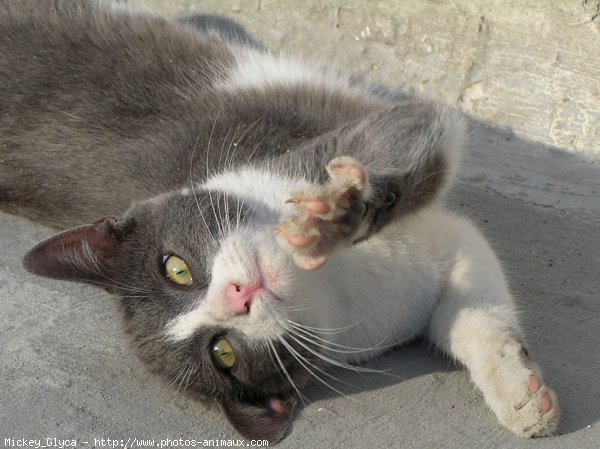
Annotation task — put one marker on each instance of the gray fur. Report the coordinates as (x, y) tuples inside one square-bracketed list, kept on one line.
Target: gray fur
[(108, 113), (102, 114)]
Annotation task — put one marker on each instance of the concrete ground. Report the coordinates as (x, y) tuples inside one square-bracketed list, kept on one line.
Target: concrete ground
[(67, 372)]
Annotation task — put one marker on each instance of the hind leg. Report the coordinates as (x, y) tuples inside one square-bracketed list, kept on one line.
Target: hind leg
[(475, 322)]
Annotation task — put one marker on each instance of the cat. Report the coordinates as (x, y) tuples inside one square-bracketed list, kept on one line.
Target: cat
[(263, 219)]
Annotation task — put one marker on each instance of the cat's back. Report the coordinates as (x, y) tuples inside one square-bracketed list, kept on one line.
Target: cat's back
[(95, 95), (102, 53), (103, 106)]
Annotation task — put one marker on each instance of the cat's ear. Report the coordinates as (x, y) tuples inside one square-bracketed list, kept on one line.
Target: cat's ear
[(268, 420), (86, 253)]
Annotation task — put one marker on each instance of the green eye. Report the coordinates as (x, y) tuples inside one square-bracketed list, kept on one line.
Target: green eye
[(222, 353), (177, 270)]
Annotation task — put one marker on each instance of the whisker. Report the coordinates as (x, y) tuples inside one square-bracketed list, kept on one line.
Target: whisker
[(116, 284), (298, 358), (226, 202), (335, 362), (232, 144), (223, 145), (327, 346), (231, 159), (183, 378), (238, 213), (189, 377), (285, 371), (256, 146), (194, 191), (301, 309), (180, 370), (350, 349), (212, 205), (331, 331), (208, 146)]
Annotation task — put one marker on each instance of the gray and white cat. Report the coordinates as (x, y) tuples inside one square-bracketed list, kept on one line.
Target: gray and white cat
[(274, 219)]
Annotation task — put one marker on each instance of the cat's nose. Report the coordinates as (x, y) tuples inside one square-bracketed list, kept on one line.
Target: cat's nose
[(240, 297)]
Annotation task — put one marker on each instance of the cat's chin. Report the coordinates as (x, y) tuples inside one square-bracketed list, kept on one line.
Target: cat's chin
[(267, 420)]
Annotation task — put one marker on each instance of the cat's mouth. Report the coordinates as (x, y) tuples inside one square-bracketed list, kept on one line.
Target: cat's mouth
[(264, 297), (264, 306), (268, 279)]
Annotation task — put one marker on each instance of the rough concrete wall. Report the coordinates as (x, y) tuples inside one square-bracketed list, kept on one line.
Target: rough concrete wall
[(531, 65)]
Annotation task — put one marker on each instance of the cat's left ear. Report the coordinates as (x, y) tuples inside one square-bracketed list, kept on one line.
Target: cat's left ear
[(86, 253), (266, 421)]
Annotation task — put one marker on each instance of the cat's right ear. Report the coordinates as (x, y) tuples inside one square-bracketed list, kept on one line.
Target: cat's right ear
[(86, 253)]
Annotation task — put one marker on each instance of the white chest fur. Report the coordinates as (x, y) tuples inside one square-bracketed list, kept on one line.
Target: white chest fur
[(369, 297)]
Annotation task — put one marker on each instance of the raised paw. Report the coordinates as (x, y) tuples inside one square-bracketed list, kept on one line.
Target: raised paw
[(517, 394), (321, 217)]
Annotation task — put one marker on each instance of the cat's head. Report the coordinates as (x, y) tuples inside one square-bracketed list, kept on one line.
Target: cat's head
[(204, 292)]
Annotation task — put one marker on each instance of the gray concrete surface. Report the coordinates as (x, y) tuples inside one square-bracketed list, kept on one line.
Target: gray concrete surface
[(530, 65), (66, 371)]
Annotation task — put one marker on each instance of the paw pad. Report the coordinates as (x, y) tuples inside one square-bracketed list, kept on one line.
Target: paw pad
[(518, 395), (324, 216)]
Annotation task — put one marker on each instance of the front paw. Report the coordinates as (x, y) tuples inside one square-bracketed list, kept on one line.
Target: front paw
[(322, 217)]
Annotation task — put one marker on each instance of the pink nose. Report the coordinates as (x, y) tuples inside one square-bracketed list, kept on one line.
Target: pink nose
[(240, 297)]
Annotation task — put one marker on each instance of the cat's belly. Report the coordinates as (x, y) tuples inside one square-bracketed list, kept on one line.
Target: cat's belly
[(375, 295)]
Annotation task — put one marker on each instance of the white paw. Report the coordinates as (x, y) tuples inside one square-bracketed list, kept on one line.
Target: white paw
[(323, 216), (517, 394)]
